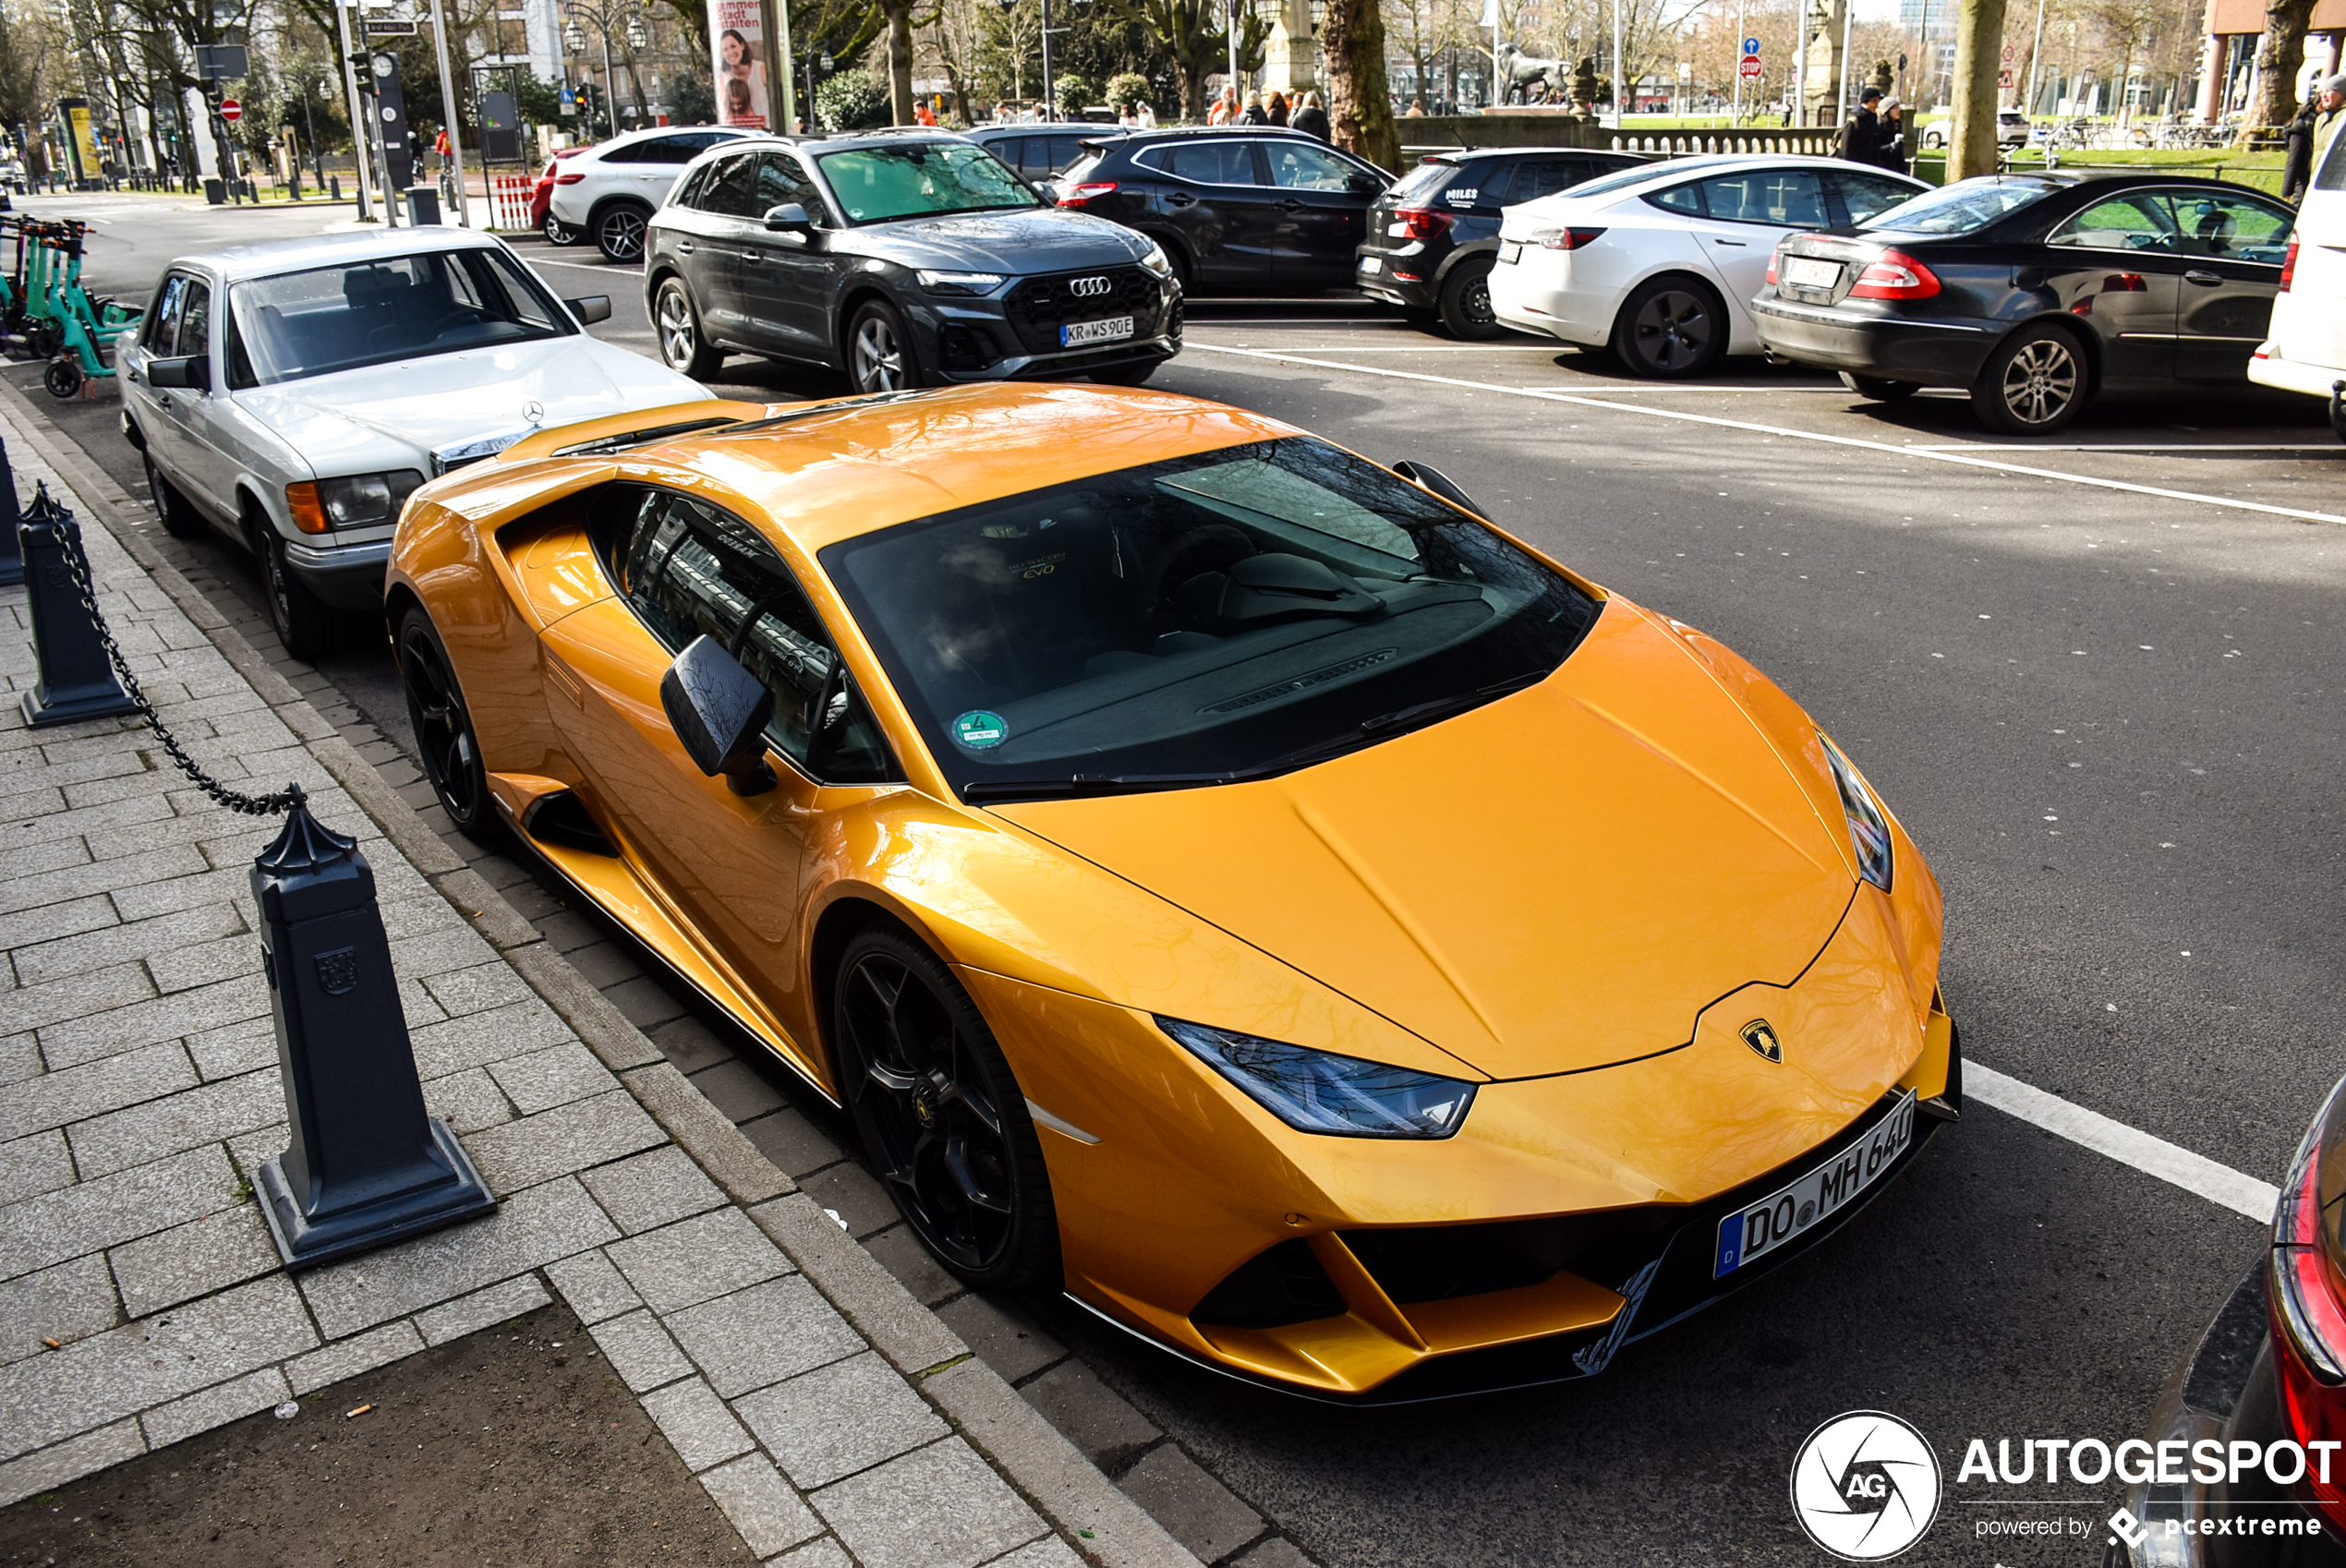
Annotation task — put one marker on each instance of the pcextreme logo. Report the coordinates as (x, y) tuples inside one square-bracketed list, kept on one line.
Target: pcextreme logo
[(1865, 1486)]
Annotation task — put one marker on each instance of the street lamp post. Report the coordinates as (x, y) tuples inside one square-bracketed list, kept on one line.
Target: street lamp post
[(605, 18)]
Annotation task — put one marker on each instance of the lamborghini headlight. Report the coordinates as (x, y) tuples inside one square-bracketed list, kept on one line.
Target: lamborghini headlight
[(1868, 829), (1315, 1092)]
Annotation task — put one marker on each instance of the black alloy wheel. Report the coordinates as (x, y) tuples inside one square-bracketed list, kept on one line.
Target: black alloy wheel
[(180, 518), (444, 741), (2035, 382), (879, 351), (941, 1114), (1466, 303), (677, 322), (618, 231), (1879, 389), (305, 623), (63, 378), (1670, 328), (556, 231)]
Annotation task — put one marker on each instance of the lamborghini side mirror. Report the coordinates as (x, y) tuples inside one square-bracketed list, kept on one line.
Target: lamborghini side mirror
[(719, 711)]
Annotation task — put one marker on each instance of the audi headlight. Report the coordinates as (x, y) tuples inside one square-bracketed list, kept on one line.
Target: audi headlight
[(959, 282), (1314, 1092), (1869, 829), (354, 501), (1157, 262)]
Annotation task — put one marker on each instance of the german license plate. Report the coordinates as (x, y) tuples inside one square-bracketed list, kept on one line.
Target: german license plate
[(1109, 330), (1371, 264), (1508, 250), (1816, 1196), (1807, 272)]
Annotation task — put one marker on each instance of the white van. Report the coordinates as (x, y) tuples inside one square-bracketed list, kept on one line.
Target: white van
[(2305, 349)]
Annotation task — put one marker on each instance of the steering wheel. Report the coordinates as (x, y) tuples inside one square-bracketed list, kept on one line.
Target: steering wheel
[(464, 317)]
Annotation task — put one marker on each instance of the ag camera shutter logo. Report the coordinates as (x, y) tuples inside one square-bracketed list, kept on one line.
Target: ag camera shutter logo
[(1865, 1486)]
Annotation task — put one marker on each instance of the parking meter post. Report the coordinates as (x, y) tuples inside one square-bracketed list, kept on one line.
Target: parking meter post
[(11, 554), (365, 1166), (76, 679)]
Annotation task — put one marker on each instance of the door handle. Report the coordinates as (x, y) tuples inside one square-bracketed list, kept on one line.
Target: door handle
[(1180, 199), (1292, 205), (684, 248), (1738, 243), (2205, 280), (752, 256)]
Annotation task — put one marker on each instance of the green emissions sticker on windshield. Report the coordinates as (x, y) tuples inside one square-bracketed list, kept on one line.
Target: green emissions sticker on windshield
[(980, 730)]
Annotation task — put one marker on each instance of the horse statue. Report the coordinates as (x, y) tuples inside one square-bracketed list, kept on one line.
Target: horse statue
[(1518, 71)]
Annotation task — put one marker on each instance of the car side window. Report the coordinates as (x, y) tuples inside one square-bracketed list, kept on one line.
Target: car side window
[(1536, 178), (730, 189), (162, 316), (688, 193), (1296, 166), (1865, 195), (2137, 221), (194, 322), (1685, 199), (1784, 199), (782, 179), (1011, 149), (2331, 175), (2236, 228), (690, 570), (1212, 162), (661, 150)]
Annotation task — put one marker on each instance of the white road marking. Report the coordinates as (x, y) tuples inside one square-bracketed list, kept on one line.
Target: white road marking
[(589, 266), (2333, 447), (1928, 454), (2220, 1185)]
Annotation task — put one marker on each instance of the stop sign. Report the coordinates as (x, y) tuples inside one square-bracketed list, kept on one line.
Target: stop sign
[(231, 111)]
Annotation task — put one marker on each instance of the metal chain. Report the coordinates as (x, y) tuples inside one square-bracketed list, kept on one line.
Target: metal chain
[(77, 567)]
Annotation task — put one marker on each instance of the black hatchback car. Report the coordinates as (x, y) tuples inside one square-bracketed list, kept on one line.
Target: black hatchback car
[(1234, 207), (1434, 238), (2039, 293), (906, 260)]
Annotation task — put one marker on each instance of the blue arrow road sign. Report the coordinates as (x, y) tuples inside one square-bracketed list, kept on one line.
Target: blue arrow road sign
[(1751, 47)]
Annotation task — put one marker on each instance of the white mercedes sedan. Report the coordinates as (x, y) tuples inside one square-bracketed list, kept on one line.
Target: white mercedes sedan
[(293, 392), (1659, 262)]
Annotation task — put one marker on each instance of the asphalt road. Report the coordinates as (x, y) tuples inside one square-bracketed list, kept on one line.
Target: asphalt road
[(2099, 681)]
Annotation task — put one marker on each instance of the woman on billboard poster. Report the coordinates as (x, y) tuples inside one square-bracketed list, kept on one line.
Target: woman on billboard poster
[(740, 64)]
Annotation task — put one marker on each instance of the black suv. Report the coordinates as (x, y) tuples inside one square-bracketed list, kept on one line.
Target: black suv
[(906, 260), (1039, 152), (1235, 207), (1434, 238)]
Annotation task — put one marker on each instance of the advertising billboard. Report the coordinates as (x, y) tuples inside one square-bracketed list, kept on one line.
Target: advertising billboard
[(737, 42)]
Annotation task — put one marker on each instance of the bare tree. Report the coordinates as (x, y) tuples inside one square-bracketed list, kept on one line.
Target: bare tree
[(2280, 52), (1196, 38)]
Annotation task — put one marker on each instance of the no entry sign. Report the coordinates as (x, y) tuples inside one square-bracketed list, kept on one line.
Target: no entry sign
[(231, 111)]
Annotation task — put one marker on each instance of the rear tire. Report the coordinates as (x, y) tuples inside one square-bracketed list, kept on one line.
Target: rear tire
[(676, 323), (941, 1114), (307, 624), (63, 378), (619, 231), (2035, 382), (180, 518), (557, 232), (1878, 389), (1671, 328), (1466, 303)]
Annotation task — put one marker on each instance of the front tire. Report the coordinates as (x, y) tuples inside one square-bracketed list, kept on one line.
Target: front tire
[(941, 1114), (1466, 303), (305, 623), (619, 231), (1878, 389), (63, 378), (180, 518), (1670, 328), (2035, 382), (677, 321), (443, 728), (879, 351)]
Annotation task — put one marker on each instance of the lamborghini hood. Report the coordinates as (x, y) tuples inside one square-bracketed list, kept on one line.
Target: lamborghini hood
[(1559, 880)]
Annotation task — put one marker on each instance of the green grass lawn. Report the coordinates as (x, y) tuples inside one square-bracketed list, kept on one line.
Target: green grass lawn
[(2261, 170)]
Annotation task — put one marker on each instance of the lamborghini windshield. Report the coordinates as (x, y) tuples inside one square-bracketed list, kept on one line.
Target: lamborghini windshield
[(1223, 616)]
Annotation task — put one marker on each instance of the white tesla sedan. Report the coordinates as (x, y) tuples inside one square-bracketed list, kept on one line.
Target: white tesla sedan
[(293, 392), (1658, 262)]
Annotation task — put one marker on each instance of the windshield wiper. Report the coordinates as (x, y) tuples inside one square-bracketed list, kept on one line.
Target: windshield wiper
[(1366, 732)]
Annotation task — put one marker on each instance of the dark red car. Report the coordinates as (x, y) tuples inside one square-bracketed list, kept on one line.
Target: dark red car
[(541, 217)]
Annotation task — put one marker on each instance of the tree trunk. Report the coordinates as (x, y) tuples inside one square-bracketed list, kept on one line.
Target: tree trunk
[(1190, 79), (1980, 41), (2280, 52), (1360, 109), (900, 64)]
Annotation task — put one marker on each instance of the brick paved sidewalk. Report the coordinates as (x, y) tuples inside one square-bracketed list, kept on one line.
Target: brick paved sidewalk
[(833, 1418)]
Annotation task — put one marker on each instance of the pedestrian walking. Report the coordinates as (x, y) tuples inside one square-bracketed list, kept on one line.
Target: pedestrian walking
[(2310, 135), (1893, 153), (1311, 118), (1861, 138), (1144, 117), (1226, 108), (1256, 115), (1276, 111)]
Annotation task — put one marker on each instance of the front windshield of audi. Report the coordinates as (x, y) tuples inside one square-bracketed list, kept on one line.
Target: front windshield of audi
[(1229, 615), (921, 179)]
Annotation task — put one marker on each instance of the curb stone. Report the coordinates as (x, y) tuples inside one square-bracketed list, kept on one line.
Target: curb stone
[(1106, 1525)]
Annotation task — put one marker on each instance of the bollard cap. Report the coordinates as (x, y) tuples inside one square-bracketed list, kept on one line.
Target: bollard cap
[(310, 869)]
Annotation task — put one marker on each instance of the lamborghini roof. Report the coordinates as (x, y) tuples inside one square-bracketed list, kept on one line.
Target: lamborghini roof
[(822, 472)]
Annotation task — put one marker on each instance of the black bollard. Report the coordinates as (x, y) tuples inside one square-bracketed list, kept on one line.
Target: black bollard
[(366, 1167), (77, 680), (11, 553)]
